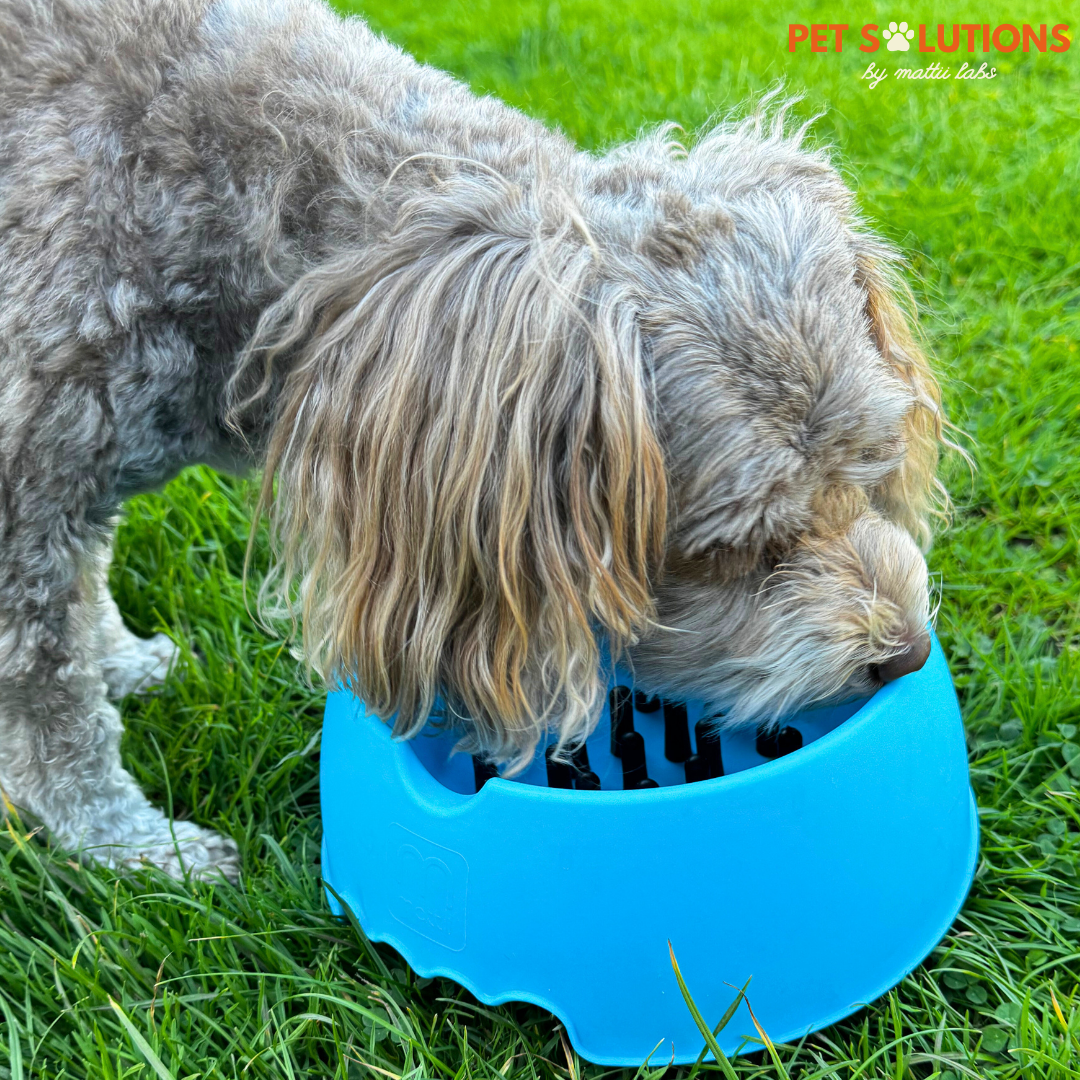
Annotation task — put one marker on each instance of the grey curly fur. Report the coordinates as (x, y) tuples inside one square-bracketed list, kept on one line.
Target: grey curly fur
[(516, 396)]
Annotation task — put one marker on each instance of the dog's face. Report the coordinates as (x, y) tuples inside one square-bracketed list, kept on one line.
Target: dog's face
[(828, 615), (663, 401), (791, 408)]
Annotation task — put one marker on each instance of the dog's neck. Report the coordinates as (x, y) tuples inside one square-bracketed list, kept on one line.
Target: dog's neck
[(309, 136)]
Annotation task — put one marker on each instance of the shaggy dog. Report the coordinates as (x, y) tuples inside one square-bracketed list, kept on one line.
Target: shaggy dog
[(522, 403)]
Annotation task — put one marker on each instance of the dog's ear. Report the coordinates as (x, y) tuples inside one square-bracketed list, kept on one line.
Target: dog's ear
[(911, 495), (470, 489)]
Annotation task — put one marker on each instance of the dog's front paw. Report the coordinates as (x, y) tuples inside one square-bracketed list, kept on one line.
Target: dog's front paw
[(180, 848), (139, 665), (195, 852)]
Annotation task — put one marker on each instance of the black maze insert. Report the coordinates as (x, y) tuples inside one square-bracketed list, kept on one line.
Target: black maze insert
[(676, 731), (559, 773), (621, 715), (647, 742), (483, 771), (774, 744), (709, 759), (645, 704)]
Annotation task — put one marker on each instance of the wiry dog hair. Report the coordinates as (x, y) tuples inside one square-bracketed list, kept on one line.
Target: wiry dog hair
[(520, 408), (481, 384), (792, 565), (470, 487)]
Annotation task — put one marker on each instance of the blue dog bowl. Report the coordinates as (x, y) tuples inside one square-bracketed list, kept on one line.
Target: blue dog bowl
[(824, 863)]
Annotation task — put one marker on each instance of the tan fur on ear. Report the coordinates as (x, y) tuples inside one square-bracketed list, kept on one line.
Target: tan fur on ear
[(469, 485), (912, 495)]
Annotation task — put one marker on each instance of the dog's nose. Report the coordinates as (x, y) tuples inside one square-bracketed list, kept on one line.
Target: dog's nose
[(911, 659)]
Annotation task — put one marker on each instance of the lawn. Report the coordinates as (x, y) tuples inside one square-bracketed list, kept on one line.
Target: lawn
[(978, 182)]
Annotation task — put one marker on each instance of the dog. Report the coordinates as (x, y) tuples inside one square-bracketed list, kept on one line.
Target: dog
[(518, 407)]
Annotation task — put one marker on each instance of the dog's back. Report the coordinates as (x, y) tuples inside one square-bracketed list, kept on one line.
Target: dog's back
[(168, 166)]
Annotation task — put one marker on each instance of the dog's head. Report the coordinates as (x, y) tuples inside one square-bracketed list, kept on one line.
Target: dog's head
[(667, 403), (800, 423)]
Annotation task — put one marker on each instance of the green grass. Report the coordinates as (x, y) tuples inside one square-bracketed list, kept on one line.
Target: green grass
[(978, 182)]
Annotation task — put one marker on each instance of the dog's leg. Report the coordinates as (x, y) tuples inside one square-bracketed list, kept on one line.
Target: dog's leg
[(60, 736), (128, 663)]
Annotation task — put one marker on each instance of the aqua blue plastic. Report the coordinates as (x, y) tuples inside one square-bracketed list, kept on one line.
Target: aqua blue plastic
[(826, 875)]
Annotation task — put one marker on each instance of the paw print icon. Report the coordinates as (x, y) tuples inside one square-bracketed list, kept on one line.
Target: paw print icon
[(898, 37)]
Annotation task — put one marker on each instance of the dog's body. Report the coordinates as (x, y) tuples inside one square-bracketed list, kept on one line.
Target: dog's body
[(518, 397)]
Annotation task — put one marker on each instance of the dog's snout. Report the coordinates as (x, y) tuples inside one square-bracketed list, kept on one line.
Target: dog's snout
[(904, 663)]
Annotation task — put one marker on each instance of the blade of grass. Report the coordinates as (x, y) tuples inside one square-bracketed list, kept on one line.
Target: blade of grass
[(1062, 1021), (141, 1044), (707, 1033), (361, 934), (721, 1024), (15, 1062), (768, 1043)]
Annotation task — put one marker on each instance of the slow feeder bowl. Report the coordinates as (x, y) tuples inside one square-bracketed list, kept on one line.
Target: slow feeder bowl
[(825, 863)]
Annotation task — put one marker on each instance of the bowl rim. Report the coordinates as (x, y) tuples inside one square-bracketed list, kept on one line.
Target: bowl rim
[(933, 678)]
